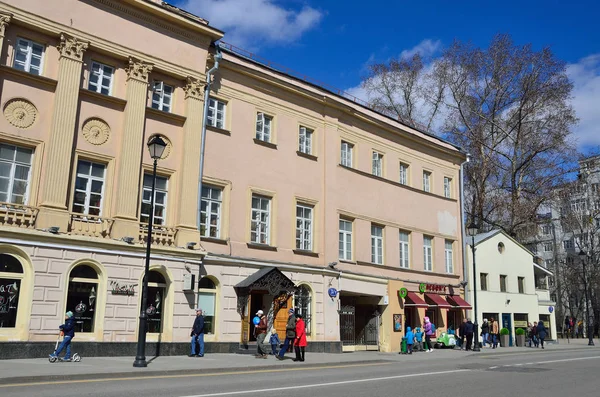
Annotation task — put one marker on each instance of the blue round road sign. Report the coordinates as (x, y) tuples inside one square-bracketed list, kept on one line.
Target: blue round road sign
[(332, 292)]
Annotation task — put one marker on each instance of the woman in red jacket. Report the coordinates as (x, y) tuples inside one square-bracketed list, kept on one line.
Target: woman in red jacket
[(300, 342)]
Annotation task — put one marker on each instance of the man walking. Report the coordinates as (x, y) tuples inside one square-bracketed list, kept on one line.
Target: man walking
[(494, 332), (290, 334), (260, 332), (462, 333), (469, 329), (197, 334)]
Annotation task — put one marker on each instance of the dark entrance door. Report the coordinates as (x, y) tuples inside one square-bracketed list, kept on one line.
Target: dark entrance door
[(367, 326), (410, 318), (507, 323), (347, 325)]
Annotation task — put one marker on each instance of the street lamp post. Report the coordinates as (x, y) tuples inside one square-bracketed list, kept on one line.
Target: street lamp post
[(590, 325), (472, 230), (157, 146)]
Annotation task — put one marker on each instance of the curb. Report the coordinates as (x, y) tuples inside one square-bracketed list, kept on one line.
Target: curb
[(196, 371)]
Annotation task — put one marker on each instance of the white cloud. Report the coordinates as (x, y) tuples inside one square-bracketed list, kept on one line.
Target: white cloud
[(426, 48), (585, 75), (254, 22)]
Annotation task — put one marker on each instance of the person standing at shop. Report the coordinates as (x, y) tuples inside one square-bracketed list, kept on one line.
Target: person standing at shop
[(462, 333), (197, 334), (301, 343), (469, 330), (485, 332), (495, 331), (260, 332), (428, 333), (541, 332), (290, 334)]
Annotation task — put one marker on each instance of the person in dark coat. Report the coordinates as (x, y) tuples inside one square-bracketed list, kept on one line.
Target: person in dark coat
[(290, 334), (68, 331), (462, 334), (469, 330), (485, 332), (197, 334), (541, 333)]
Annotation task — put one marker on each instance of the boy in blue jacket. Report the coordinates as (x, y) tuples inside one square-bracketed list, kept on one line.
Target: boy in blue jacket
[(68, 330), (274, 341), (410, 339), (419, 338)]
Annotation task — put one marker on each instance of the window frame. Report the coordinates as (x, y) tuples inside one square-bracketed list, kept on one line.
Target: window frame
[(346, 239), (213, 292), (427, 176), (447, 187), (377, 163), (305, 145), (98, 86), (404, 170), (208, 212), (483, 281), (156, 190), (29, 55), (302, 228), (348, 155), (90, 179), (428, 254), (262, 117), (503, 288), (214, 120), (13, 167), (262, 227), (404, 249), (449, 256), (521, 284), (377, 244), (160, 105)]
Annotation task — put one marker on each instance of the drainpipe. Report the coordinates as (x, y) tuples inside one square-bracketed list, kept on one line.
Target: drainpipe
[(463, 219), (218, 56)]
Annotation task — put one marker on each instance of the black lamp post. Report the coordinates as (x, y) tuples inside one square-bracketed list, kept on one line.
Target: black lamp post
[(472, 230), (590, 325), (157, 146)]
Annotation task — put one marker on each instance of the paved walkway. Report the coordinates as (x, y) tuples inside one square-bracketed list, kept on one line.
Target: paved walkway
[(12, 371)]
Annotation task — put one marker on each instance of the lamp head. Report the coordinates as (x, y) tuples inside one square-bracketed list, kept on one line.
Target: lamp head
[(156, 146), (472, 229)]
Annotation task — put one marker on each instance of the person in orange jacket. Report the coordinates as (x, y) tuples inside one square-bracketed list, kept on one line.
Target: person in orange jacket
[(300, 342)]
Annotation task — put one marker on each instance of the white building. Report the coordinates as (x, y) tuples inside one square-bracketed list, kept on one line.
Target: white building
[(511, 287)]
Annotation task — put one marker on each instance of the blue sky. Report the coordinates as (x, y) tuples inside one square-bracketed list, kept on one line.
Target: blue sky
[(333, 40)]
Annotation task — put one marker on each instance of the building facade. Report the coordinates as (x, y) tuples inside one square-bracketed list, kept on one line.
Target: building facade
[(511, 287), (308, 199)]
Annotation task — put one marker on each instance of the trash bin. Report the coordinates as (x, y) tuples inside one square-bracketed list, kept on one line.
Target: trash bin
[(403, 348)]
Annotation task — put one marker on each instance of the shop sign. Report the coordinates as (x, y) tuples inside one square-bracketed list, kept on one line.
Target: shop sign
[(332, 292), (402, 293), (550, 309), (521, 324), (431, 288), (122, 289)]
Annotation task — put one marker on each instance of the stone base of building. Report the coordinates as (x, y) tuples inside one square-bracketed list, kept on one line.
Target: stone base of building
[(20, 350)]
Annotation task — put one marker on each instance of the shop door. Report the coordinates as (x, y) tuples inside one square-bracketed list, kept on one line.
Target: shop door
[(410, 317), (281, 319), (371, 332), (347, 325), (507, 323)]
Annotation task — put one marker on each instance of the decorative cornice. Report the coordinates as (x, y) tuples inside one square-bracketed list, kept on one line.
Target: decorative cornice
[(193, 88), (138, 70), (5, 18), (71, 47)]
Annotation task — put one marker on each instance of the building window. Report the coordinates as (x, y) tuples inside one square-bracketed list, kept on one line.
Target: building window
[(101, 77), (404, 250), (305, 140), (157, 290), (216, 113), (15, 170), (210, 212), (304, 227), (263, 127), (346, 154), (403, 174), (29, 56), (548, 263), (377, 164), (260, 223), (89, 188), (427, 181), (161, 96), (11, 276), (546, 229), (570, 261), (81, 297), (568, 244), (548, 247), (160, 199), (483, 281), (502, 283), (447, 187), (449, 256), (377, 244), (521, 283), (302, 302), (207, 298), (428, 253), (345, 245)]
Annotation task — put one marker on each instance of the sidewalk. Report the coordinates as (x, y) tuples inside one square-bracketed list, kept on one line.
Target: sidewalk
[(29, 370)]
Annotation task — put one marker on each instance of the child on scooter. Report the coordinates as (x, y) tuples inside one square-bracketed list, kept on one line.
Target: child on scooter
[(68, 330)]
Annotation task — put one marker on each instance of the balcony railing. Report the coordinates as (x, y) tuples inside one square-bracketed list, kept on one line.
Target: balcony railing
[(17, 215), (161, 235), (89, 225)]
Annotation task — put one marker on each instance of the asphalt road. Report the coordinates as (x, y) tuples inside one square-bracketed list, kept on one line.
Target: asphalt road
[(540, 373)]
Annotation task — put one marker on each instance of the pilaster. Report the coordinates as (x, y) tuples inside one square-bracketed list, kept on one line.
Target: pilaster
[(5, 18), (190, 163), (132, 145), (54, 211)]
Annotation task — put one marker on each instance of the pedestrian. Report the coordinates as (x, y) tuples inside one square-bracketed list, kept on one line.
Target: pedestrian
[(462, 333), (260, 332), (469, 330), (485, 332), (534, 333), (541, 332), (419, 339), (274, 341), (494, 332), (410, 340), (572, 326), (300, 343), (428, 333), (596, 329), (197, 334), (567, 327), (580, 329), (67, 330), (290, 334)]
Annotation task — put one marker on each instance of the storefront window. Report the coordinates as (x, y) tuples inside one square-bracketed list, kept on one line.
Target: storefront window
[(302, 301), (11, 274), (453, 319), (207, 294), (81, 297), (157, 288), (431, 313)]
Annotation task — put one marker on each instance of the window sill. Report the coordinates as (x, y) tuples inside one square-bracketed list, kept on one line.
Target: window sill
[(347, 261), (102, 97), (265, 144), (34, 77), (218, 130), (214, 240), (371, 264), (262, 247), (306, 253), (405, 270), (167, 115), (307, 156)]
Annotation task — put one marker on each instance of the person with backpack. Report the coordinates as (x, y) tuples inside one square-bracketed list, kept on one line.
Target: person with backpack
[(429, 332)]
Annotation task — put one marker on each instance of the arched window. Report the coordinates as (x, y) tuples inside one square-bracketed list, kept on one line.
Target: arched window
[(11, 275), (81, 297), (207, 297), (157, 289), (303, 304)]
